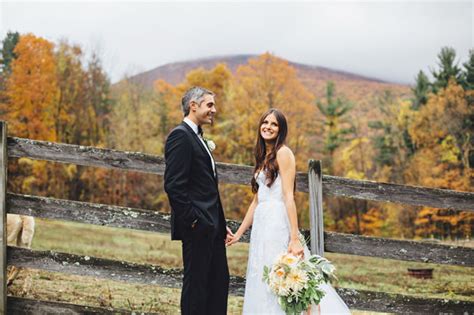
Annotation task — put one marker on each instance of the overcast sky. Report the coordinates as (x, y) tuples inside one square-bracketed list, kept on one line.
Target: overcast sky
[(389, 40)]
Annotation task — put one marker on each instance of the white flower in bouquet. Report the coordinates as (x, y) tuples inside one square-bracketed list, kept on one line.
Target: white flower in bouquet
[(289, 260), (297, 279), (283, 288)]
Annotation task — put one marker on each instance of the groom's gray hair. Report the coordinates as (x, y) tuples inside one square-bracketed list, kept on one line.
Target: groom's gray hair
[(196, 93)]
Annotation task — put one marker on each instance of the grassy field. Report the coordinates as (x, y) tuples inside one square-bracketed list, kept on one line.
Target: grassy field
[(449, 282)]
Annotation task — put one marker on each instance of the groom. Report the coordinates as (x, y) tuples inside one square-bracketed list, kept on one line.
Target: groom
[(197, 217)]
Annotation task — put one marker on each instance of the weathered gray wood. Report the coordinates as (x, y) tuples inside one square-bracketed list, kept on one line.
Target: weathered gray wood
[(149, 220), (316, 207), (148, 274), (98, 214), (240, 174), (17, 305), (85, 155), (85, 212), (401, 304), (93, 267), (404, 194), (399, 249), (3, 216)]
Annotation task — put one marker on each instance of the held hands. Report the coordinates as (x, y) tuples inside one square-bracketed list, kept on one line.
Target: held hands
[(229, 236), (295, 248), (234, 239)]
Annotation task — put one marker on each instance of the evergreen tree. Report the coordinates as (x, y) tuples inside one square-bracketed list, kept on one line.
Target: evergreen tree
[(392, 143), (468, 75), (420, 90), (335, 111), (448, 69), (7, 55), (7, 52), (383, 142)]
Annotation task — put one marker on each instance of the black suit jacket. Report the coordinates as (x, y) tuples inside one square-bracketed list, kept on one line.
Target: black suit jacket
[(191, 186)]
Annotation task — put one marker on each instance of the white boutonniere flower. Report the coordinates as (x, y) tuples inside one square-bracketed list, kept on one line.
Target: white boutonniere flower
[(210, 144)]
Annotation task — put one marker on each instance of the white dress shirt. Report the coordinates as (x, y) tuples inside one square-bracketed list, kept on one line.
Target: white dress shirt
[(194, 127)]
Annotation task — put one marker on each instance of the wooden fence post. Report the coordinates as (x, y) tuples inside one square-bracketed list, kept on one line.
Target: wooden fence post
[(3, 216), (315, 187)]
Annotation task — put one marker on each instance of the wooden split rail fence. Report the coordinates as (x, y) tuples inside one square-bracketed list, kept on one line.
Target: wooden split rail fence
[(312, 182)]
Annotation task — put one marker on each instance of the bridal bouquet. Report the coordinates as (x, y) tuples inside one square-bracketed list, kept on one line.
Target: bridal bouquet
[(296, 281)]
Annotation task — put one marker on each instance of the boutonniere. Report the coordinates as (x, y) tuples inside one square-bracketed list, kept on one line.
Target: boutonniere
[(210, 144)]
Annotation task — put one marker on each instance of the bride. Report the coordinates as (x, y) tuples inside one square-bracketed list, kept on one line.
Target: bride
[(273, 217)]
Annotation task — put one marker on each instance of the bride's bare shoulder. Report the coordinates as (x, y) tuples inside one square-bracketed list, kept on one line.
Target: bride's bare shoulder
[(285, 151), (285, 154)]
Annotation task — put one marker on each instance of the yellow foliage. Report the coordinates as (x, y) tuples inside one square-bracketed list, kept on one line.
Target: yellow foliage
[(353, 161), (372, 222), (449, 150)]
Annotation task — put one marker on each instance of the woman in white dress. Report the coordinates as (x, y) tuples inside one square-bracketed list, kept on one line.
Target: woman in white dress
[(272, 215)]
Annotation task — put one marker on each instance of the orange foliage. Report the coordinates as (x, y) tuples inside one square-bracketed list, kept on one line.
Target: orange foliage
[(32, 89)]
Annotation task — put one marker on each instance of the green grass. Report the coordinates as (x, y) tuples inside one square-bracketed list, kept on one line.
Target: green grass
[(449, 282)]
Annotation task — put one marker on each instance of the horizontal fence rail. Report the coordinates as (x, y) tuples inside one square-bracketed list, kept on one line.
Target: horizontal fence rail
[(17, 305), (240, 174), (147, 220), (172, 278)]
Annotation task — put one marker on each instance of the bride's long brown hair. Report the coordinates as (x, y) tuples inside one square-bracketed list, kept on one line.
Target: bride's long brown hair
[(264, 161)]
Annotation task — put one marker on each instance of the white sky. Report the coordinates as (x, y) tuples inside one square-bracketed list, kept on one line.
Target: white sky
[(389, 40)]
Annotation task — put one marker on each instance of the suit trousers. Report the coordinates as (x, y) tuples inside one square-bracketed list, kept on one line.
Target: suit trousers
[(206, 276)]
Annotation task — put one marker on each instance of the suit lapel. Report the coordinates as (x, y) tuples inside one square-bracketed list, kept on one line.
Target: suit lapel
[(196, 138)]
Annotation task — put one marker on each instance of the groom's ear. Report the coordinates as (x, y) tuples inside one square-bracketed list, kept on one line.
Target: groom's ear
[(192, 106)]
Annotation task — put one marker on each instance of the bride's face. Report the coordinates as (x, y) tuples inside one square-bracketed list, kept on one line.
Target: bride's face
[(269, 128)]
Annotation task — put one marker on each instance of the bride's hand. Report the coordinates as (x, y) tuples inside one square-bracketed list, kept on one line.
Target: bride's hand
[(295, 248), (234, 239)]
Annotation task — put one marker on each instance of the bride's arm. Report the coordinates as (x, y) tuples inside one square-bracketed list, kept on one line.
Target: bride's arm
[(246, 223), (287, 167)]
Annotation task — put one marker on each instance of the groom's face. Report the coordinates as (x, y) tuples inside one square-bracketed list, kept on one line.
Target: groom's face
[(205, 110)]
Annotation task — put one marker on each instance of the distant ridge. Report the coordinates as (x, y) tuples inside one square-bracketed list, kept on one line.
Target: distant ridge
[(175, 73), (361, 91)]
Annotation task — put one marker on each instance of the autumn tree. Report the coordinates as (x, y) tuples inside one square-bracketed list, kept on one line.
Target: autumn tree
[(442, 134), (68, 113), (270, 82), (31, 92), (215, 79), (352, 162), (32, 89), (98, 100)]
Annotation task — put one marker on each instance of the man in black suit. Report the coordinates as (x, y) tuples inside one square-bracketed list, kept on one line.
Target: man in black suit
[(197, 217)]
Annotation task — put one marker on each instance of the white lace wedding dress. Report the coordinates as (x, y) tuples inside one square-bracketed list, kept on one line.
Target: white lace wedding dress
[(270, 237)]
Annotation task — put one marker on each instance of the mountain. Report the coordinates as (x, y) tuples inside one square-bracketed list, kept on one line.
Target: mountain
[(362, 91), (175, 73)]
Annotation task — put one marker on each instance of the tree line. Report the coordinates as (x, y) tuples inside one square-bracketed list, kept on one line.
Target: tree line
[(52, 91)]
